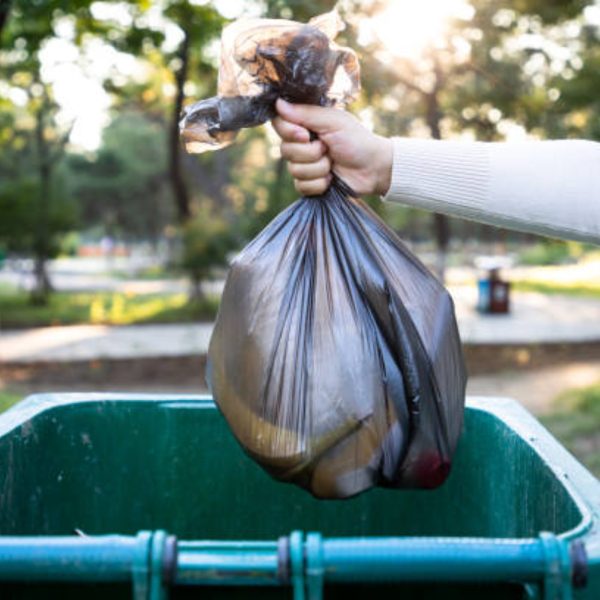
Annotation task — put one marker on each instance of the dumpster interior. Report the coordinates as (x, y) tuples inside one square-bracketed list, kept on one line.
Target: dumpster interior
[(119, 467), (101, 467)]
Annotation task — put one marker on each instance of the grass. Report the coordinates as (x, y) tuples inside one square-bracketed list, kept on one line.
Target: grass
[(103, 308), (8, 398), (576, 423), (153, 273), (587, 290)]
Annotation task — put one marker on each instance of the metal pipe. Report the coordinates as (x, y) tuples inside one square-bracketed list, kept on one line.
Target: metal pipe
[(370, 560), (67, 558), (119, 558), (223, 563), (432, 559)]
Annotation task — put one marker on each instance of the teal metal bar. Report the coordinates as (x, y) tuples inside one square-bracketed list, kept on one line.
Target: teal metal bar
[(558, 561), (434, 559), (141, 566), (309, 562), (222, 563), (49, 558), (378, 560), (158, 588), (296, 562), (315, 566)]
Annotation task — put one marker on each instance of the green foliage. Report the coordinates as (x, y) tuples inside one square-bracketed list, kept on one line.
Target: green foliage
[(124, 185), (589, 289), (106, 308), (551, 252), (69, 244), (551, 11), (21, 212), (8, 399), (207, 240), (576, 423)]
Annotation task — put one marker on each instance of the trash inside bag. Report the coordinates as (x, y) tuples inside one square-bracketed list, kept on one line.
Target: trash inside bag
[(335, 357)]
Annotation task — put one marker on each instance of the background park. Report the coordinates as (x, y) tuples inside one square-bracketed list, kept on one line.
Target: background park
[(114, 243)]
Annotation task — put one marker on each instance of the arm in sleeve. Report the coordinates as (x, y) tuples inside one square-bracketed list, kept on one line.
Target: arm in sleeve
[(546, 187)]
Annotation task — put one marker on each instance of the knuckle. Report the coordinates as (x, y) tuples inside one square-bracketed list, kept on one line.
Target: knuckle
[(283, 130), (315, 150), (324, 165), (288, 132), (279, 127), (303, 173), (285, 150), (293, 169), (318, 171)]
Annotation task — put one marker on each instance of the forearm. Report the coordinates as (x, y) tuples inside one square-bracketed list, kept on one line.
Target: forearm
[(550, 188)]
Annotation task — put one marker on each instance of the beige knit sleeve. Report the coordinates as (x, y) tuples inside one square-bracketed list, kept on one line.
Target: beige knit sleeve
[(545, 187)]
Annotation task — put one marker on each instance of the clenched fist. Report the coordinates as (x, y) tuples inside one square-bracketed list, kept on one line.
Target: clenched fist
[(356, 155)]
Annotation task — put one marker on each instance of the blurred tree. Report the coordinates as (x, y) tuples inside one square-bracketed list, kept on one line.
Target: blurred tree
[(200, 25), (207, 239), (177, 68), (124, 185), (512, 64), (4, 10), (19, 226), (576, 110), (481, 78), (33, 148), (37, 133), (35, 206)]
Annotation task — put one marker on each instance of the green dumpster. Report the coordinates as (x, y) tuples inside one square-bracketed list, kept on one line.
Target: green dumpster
[(150, 497)]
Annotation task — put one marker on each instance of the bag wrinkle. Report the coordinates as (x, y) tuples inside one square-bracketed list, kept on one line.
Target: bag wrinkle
[(335, 356)]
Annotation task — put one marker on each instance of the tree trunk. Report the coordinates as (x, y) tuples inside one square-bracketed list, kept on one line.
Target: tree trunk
[(196, 292), (180, 191), (441, 229), (441, 223), (42, 286), (4, 11), (277, 188)]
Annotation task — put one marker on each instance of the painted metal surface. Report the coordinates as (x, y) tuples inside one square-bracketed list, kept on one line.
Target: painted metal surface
[(317, 561), (103, 463)]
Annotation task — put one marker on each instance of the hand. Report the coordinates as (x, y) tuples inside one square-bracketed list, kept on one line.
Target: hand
[(359, 157)]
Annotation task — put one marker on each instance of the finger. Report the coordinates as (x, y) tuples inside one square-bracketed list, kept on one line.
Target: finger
[(314, 187), (308, 171), (290, 132), (303, 153), (314, 118)]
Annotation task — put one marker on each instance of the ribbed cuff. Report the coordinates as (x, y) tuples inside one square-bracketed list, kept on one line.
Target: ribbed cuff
[(442, 176)]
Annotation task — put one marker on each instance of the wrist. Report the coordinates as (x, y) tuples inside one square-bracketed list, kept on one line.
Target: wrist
[(383, 165)]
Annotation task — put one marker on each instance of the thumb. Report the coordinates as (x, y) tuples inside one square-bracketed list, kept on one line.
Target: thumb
[(315, 118)]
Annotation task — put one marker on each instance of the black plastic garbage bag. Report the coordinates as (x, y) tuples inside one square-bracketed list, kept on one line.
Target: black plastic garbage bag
[(335, 357)]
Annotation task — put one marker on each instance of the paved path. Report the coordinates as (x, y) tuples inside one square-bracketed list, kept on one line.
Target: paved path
[(88, 342), (535, 318), (536, 389), (119, 274)]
